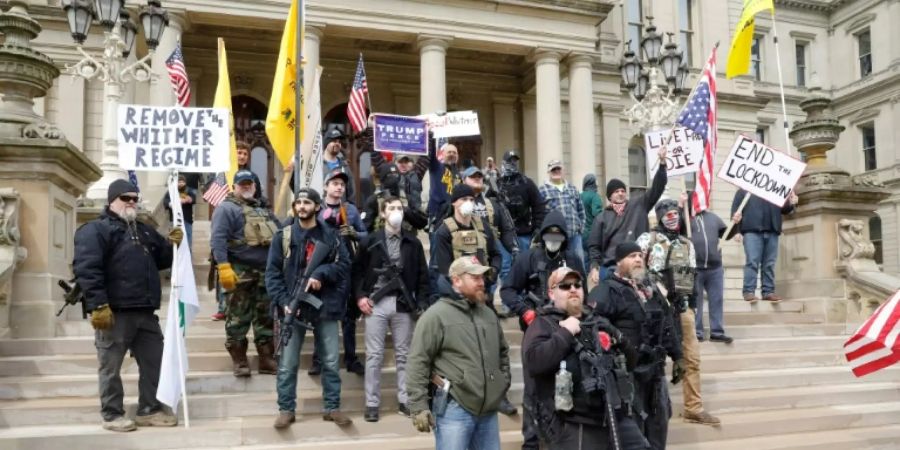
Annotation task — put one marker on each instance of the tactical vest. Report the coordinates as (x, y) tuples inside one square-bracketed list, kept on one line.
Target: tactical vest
[(467, 242), (515, 203), (259, 228), (379, 221), (489, 218), (678, 273)]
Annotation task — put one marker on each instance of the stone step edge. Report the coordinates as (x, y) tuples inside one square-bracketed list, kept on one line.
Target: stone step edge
[(786, 441)]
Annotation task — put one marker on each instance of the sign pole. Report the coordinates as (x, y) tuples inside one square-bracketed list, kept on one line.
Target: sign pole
[(176, 297), (686, 209), (784, 116), (298, 91)]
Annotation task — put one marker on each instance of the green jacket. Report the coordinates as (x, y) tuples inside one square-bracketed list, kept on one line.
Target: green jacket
[(593, 206), (464, 343)]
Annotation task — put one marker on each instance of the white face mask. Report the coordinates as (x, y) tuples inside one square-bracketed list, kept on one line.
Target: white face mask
[(395, 218), (553, 246), (467, 208)]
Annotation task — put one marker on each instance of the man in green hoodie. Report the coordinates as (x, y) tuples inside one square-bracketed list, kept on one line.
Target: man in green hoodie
[(593, 206), (458, 350)]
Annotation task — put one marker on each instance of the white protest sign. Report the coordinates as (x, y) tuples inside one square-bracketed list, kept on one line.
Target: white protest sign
[(159, 138), (684, 152), (452, 124), (761, 170)]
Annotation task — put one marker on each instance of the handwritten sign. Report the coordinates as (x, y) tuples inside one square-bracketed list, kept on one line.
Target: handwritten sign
[(684, 152), (452, 124), (761, 170), (157, 138), (401, 134)]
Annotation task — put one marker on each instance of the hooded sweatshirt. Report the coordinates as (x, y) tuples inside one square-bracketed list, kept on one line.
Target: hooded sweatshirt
[(593, 204)]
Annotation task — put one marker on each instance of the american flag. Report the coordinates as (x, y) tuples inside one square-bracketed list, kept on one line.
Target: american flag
[(699, 116), (178, 76), (356, 107), (875, 346), (217, 190)]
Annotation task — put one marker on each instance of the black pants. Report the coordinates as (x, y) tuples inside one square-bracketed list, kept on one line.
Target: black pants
[(576, 436), (653, 398), (139, 332)]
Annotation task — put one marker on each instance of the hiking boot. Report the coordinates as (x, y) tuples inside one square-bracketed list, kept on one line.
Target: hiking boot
[(340, 419), (238, 352), (371, 414), (772, 297), (507, 408), (703, 418), (119, 424), (403, 410), (315, 368), (284, 419), (160, 418), (267, 363), (219, 316), (356, 367), (721, 338), (750, 297)]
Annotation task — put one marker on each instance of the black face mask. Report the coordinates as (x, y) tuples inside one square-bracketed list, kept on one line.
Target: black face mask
[(509, 168)]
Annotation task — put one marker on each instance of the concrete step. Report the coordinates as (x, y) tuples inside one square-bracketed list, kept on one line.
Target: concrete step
[(731, 381), (738, 306), (769, 330), (883, 437), (787, 318)]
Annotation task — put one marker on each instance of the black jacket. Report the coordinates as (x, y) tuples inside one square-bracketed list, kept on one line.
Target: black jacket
[(706, 230), (442, 253), (373, 254), (610, 230), (412, 215), (523, 201), (759, 216), (119, 265), (526, 275), (334, 273)]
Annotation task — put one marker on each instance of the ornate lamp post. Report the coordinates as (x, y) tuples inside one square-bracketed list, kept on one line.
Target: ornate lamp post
[(110, 67), (653, 106)]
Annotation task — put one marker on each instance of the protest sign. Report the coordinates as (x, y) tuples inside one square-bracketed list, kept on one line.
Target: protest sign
[(684, 151), (401, 134), (761, 170), (157, 138), (452, 124)]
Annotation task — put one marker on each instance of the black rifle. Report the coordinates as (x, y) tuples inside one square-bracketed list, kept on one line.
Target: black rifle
[(599, 368), (304, 306), (395, 283), (73, 296)]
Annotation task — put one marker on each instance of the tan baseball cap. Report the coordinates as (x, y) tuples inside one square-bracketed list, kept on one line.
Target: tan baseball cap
[(560, 274), (467, 264)]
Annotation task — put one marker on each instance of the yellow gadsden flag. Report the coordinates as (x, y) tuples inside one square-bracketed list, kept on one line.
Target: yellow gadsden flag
[(281, 116), (223, 100), (739, 56)]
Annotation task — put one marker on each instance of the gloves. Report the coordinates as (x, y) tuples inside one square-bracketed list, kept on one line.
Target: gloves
[(227, 276), (175, 236), (678, 371), (348, 231), (102, 318), (424, 421), (529, 316)]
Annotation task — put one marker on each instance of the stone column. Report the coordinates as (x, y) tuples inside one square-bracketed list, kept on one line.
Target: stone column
[(504, 125), (581, 118), (529, 163), (162, 94), (433, 73), (549, 123), (611, 121), (312, 40)]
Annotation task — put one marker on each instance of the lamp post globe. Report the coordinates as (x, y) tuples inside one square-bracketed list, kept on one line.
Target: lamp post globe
[(129, 32), (154, 19), (108, 12), (630, 69), (651, 43), (80, 15)]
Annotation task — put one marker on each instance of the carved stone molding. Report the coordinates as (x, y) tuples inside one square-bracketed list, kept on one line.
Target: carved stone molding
[(9, 217), (41, 130), (853, 244)]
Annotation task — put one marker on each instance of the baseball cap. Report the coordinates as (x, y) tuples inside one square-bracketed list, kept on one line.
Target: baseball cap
[(308, 194), (561, 273), (339, 172), (510, 155), (467, 264), (471, 171), (243, 175), (554, 164)]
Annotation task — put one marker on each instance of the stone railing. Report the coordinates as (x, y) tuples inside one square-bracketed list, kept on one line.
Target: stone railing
[(11, 252), (866, 285)]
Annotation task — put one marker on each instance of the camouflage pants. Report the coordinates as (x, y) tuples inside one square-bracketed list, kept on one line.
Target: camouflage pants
[(246, 305)]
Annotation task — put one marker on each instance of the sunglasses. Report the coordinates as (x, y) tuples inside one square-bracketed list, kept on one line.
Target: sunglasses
[(129, 198), (569, 285)]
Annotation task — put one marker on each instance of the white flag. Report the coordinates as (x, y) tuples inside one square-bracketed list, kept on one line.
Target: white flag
[(183, 308)]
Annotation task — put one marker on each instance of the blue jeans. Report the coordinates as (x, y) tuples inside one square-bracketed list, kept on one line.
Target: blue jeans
[(507, 263), (575, 243), (328, 347), (712, 281), (761, 251), (457, 429)]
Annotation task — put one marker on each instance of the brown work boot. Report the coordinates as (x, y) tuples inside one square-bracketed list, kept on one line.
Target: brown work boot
[(772, 298), (750, 297), (238, 352), (284, 419), (703, 418), (120, 424), (267, 363), (340, 419), (160, 418)]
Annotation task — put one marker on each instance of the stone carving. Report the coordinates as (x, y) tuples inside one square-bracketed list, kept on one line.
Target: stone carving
[(867, 181), (818, 179), (41, 130), (853, 245), (10, 252)]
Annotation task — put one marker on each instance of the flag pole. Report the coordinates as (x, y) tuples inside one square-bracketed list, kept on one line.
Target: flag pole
[(368, 95), (175, 296), (298, 90), (784, 116)]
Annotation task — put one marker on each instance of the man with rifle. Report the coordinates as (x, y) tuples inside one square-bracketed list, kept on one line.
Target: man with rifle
[(581, 394), (391, 289), (646, 320), (308, 260)]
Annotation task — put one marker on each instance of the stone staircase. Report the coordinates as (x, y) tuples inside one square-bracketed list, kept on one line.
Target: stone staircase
[(782, 384)]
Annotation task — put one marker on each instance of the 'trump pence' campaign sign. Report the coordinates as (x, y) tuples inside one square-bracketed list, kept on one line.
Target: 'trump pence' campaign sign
[(684, 152), (157, 138), (761, 170), (401, 134)]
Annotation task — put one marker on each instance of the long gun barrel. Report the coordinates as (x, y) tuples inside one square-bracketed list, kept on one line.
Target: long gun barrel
[(73, 296), (304, 306), (395, 283)]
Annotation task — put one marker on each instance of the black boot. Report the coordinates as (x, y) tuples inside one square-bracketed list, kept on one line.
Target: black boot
[(316, 367), (507, 408)]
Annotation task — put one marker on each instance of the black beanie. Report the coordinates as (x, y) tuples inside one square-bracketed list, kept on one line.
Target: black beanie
[(118, 188), (461, 190), (626, 248), (614, 185)]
